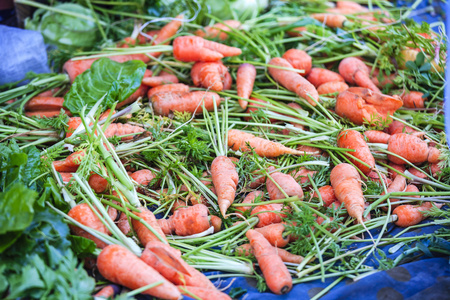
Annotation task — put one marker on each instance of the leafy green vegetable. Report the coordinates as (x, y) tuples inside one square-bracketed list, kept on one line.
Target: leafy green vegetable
[(107, 80), (81, 245)]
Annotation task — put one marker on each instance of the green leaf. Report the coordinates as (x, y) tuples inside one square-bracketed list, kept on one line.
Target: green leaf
[(81, 245), (425, 68), (410, 65), (237, 292), (16, 208), (28, 279), (9, 238), (107, 80), (420, 58)]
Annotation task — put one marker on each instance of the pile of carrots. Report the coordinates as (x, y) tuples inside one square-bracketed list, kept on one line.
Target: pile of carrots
[(289, 118)]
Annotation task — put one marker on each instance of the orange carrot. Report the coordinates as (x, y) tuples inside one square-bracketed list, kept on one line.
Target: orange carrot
[(66, 177), (246, 250), (299, 59), (216, 222), (211, 75), (250, 198), (399, 127), (144, 234), (268, 214), (351, 139), (168, 262), (191, 102), (119, 129), (84, 215), (106, 292), (398, 185), (297, 31), (409, 215), (274, 233), (308, 150), (433, 155), (194, 48), (218, 30), (225, 179), (60, 166), (275, 273), (286, 182), (294, 82), (119, 265), (345, 181), (411, 188), (376, 136), (143, 177), (40, 103), (46, 114), (139, 93), (245, 79), (238, 140), (186, 221), (123, 224), (73, 125), (356, 72), (409, 147), (319, 76), (327, 193), (332, 87), (331, 20), (400, 168), (435, 170), (162, 78), (350, 5), (386, 79), (413, 100), (168, 88), (98, 183), (203, 293), (417, 173), (166, 32), (302, 175)]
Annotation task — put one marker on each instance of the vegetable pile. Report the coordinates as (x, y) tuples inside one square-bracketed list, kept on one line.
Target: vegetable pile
[(260, 145)]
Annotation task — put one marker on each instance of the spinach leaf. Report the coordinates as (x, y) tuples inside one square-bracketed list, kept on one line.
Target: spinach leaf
[(107, 80)]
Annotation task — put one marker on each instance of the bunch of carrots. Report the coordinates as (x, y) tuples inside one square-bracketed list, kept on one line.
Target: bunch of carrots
[(246, 158)]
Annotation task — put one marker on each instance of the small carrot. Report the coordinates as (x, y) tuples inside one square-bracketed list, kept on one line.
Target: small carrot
[(178, 88), (319, 76), (106, 292), (268, 214), (274, 233), (376, 136), (143, 177), (166, 32), (98, 183), (411, 188), (350, 5), (385, 79), (211, 75), (409, 215), (356, 72), (399, 127), (302, 174), (186, 221), (309, 150), (327, 194), (144, 234), (121, 266), (123, 224), (84, 215), (332, 87), (286, 182), (161, 79), (60, 166), (139, 93), (398, 185), (218, 30), (331, 20), (275, 273), (40, 103), (435, 170), (238, 140), (299, 59), (400, 168), (351, 139), (66, 176), (250, 198), (410, 147), (245, 79), (433, 155), (417, 173), (345, 181), (216, 222), (225, 179), (191, 102), (413, 100), (46, 114), (119, 129), (294, 82), (203, 293), (195, 48), (246, 250)]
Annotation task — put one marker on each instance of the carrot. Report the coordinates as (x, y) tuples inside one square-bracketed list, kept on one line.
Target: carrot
[(327, 193), (350, 5), (275, 273), (294, 82), (186, 221), (258, 179), (73, 124), (238, 140), (246, 250), (399, 127), (409, 215), (191, 102), (84, 215), (286, 182), (268, 214), (400, 168), (373, 175), (166, 32), (66, 177), (211, 75), (40, 103), (299, 59), (119, 129), (411, 188), (119, 265), (356, 72), (351, 139), (376, 136), (74, 159), (308, 150), (168, 262), (245, 79), (143, 177), (123, 224), (274, 233), (332, 87), (216, 222), (409, 147), (194, 48), (162, 78), (218, 30), (413, 100), (203, 293), (435, 170), (106, 292), (225, 179), (398, 185), (417, 173), (385, 80), (250, 198), (331, 20), (345, 181), (319, 76), (168, 88), (98, 183), (144, 234), (139, 93), (433, 155), (302, 175), (46, 114), (60, 166)]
